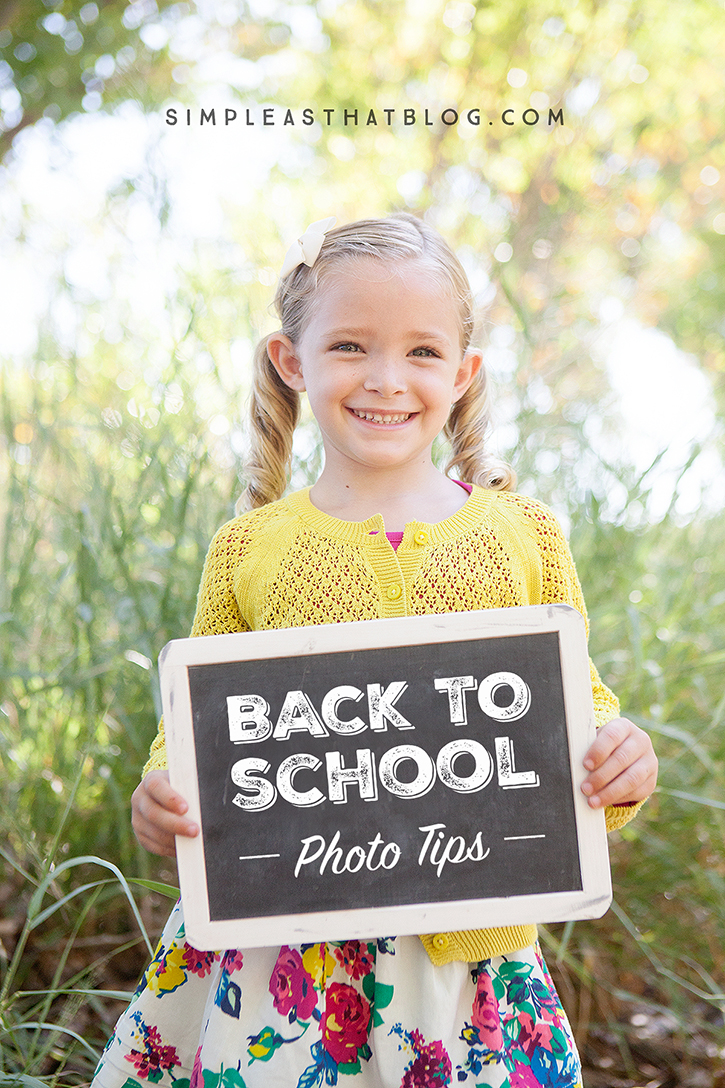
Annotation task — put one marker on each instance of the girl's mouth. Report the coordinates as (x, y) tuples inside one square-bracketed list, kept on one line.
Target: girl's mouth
[(382, 417)]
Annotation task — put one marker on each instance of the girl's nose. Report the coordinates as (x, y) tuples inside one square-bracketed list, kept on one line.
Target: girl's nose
[(385, 378)]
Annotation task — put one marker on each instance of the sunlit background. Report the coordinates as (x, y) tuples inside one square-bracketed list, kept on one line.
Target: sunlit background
[(137, 263)]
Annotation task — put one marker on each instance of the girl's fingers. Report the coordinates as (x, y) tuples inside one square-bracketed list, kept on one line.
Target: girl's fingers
[(156, 784), (634, 784), (622, 765), (153, 841), (157, 815), (608, 739)]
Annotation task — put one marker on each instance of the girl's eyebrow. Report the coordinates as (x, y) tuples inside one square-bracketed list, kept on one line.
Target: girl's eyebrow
[(438, 336), (414, 334), (337, 334)]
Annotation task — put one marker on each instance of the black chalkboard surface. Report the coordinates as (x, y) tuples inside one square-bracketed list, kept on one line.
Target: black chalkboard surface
[(389, 776)]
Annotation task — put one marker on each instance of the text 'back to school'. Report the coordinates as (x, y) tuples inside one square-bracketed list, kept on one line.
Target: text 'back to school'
[(249, 721)]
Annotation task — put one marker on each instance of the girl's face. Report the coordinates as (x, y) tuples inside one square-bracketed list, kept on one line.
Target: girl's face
[(381, 362)]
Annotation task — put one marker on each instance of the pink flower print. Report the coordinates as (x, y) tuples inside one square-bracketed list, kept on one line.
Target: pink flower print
[(199, 963), (155, 1057), (233, 960), (523, 1076), (197, 1073), (345, 1022), (292, 986), (356, 958), (485, 1015), (532, 1034), (431, 1067)]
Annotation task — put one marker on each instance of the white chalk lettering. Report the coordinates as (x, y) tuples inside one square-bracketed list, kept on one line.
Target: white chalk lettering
[(482, 772), (440, 851), (329, 710), (261, 794), (315, 847), (285, 774), (248, 719), (388, 771), (518, 706), (508, 777), (380, 706), (456, 686), (362, 776), (298, 716), (247, 773), (476, 851), (305, 856)]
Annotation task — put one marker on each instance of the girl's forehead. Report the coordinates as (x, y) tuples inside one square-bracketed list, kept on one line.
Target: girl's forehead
[(412, 282), (377, 290)]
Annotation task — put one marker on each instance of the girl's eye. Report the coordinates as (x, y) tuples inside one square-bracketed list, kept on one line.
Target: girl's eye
[(424, 353), (347, 346)]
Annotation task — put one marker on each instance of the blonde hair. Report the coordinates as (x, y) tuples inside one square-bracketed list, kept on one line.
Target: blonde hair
[(275, 408)]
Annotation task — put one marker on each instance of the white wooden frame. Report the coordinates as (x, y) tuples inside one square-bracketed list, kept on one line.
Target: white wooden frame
[(589, 902)]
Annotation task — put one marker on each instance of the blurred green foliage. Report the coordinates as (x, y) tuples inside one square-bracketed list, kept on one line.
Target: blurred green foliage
[(59, 57)]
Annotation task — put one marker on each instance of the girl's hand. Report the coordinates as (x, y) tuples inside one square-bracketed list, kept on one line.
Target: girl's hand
[(622, 765), (157, 814)]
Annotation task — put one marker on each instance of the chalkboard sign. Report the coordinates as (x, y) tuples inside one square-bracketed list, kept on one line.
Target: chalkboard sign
[(385, 777)]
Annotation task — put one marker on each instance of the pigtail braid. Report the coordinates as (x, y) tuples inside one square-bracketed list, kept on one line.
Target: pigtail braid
[(467, 429), (274, 410)]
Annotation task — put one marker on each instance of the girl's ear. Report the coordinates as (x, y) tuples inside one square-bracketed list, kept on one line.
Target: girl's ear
[(285, 361), (469, 368)]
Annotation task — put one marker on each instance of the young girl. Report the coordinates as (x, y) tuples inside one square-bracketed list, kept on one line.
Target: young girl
[(376, 322)]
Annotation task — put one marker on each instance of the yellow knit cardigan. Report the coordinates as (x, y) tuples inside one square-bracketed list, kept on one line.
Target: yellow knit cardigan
[(289, 565)]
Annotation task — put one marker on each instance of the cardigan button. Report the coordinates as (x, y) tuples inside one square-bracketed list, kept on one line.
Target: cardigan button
[(421, 537), (441, 941), (394, 591)]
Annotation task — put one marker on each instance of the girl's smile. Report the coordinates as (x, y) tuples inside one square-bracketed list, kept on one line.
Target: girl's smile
[(376, 417)]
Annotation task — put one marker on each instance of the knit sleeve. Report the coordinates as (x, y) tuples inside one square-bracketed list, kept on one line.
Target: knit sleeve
[(560, 585), (217, 611)]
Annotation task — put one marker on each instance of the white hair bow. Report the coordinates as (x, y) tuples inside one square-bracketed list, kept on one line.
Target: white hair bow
[(307, 248)]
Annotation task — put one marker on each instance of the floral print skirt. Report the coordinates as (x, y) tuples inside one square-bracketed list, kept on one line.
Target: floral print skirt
[(378, 1012)]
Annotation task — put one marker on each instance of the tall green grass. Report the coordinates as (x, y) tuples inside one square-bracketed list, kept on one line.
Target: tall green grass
[(112, 490), (108, 514), (112, 496), (656, 597)]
